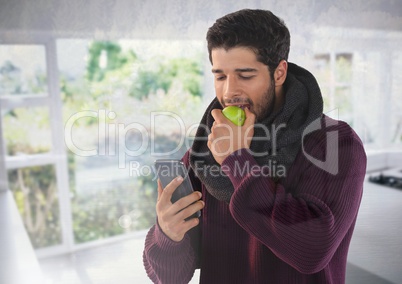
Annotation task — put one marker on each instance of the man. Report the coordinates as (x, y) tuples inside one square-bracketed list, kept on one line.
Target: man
[(280, 194)]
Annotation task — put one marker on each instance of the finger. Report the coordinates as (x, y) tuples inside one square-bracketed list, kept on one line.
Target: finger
[(191, 210), (189, 224), (178, 231), (210, 139), (170, 188), (160, 190), (187, 200), (184, 208), (217, 115), (250, 118)]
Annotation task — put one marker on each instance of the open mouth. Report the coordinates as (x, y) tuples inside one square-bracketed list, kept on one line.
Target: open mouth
[(242, 106), (241, 103)]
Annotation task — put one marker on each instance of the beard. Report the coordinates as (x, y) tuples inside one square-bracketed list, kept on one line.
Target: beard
[(260, 109), (267, 104)]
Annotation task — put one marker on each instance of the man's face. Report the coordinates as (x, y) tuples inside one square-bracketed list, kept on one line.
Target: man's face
[(243, 81)]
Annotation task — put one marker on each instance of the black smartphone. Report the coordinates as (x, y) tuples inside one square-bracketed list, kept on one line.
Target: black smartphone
[(169, 169)]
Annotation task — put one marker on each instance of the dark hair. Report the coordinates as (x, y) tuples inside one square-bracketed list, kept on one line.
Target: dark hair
[(259, 30)]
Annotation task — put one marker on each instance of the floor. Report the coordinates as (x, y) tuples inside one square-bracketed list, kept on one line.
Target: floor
[(114, 263), (376, 244)]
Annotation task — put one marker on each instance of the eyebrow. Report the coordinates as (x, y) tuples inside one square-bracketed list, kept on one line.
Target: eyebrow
[(239, 70)]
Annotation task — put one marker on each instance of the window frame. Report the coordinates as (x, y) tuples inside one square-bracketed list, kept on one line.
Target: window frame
[(57, 155)]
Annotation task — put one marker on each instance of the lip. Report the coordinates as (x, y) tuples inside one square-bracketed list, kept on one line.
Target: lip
[(242, 106), (242, 102)]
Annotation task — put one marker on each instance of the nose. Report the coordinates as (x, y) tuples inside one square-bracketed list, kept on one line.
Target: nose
[(231, 87)]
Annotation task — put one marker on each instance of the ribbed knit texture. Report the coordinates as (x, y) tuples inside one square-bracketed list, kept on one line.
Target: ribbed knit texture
[(295, 231)]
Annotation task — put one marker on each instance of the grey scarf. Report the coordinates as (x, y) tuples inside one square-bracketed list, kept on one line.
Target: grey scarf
[(303, 104)]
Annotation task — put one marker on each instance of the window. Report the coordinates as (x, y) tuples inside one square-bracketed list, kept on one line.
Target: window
[(22, 70), (122, 107), (83, 126), (396, 99), (30, 125), (334, 73), (362, 87)]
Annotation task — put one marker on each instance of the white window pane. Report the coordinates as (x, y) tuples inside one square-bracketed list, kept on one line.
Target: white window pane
[(343, 102), (322, 68), (108, 201), (343, 68), (396, 100), (27, 130), (35, 192), (22, 70)]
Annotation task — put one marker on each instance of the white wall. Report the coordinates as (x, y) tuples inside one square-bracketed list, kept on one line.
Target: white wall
[(184, 18)]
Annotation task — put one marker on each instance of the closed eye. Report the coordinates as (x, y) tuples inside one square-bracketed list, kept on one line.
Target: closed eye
[(246, 77), (220, 78)]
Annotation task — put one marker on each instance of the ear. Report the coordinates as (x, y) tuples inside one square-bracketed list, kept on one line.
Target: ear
[(280, 73)]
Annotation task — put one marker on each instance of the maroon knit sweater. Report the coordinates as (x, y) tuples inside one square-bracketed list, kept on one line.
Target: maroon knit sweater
[(295, 231)]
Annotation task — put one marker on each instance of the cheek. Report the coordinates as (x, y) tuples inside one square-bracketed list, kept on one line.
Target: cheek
[(258, 93), (218, 92)]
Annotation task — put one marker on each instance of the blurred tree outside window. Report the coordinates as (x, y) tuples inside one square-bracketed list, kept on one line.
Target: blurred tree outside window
[(120, 84), (126, 94), (27, 131), (35, 192)]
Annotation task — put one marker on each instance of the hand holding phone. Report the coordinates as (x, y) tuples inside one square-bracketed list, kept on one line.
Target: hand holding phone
[(167, 170), (177, 200)]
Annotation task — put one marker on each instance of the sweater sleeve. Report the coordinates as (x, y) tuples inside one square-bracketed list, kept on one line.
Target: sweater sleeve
[(167, 261), (303, 224)]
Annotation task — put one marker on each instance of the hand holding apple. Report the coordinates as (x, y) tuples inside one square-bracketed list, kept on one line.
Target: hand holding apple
[(226, 137)]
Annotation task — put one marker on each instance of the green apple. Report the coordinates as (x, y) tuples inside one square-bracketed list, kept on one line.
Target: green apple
[(235, 114)]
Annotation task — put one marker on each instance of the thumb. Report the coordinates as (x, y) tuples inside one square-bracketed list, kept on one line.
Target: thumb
[(248, 127)]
